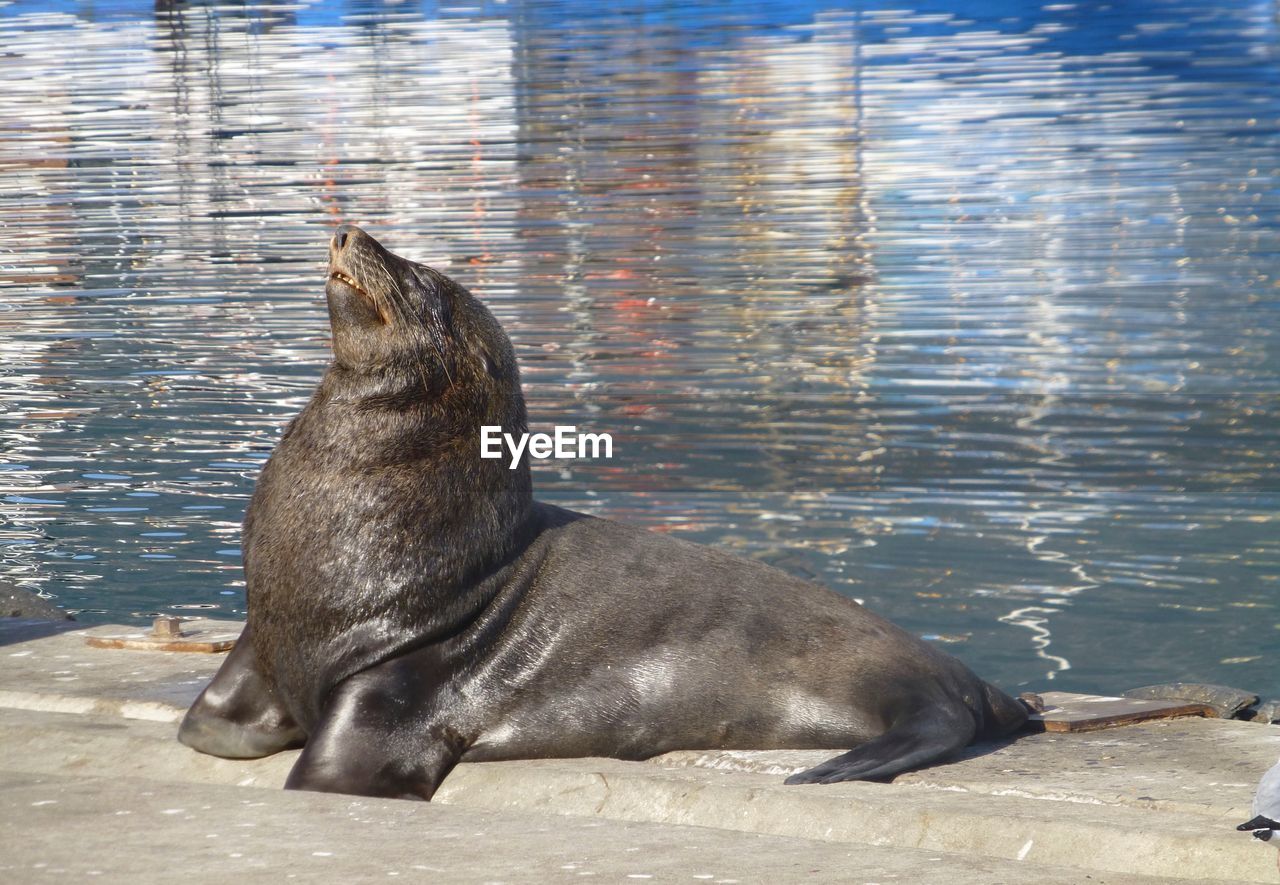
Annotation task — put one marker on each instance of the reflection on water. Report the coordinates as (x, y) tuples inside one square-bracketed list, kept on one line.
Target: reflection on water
[(973, 318)]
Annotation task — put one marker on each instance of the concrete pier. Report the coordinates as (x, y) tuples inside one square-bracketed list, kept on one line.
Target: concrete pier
[(94, 783)]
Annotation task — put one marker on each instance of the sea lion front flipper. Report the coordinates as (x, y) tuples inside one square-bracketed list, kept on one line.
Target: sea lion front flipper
[(238, 716), (925, 736), (372, 743)]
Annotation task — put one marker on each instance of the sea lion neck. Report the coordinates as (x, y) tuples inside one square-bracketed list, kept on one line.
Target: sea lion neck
[(374, 388), (407, 472), (370, 423)]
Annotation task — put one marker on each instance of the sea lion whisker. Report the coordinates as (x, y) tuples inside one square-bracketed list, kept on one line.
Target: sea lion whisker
[(420, 325), (396, 299), (386, 283), (349, 280)]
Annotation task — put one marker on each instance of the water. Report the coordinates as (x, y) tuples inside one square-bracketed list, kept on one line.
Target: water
[(972, 317)]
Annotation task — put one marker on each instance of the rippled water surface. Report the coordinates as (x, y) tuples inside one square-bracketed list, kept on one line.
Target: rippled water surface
[(973, 317)]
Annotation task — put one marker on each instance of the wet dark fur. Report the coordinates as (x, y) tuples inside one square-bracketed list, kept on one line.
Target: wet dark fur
[(410, 605)]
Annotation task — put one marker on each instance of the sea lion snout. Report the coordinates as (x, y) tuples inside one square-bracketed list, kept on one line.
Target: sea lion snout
[(352, 255), (357, 271)]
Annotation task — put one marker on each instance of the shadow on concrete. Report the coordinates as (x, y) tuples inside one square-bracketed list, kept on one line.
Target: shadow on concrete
[(15, 630), (984, 748)]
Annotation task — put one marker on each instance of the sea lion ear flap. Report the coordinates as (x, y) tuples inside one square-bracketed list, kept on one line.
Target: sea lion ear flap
[(490, 365)]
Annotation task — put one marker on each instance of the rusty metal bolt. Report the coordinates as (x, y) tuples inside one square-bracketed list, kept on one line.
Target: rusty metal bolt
[(166, 627)]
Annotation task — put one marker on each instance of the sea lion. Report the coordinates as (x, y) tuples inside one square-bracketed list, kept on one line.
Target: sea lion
[(411, 606)]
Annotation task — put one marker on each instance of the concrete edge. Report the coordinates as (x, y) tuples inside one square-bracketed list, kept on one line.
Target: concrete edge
[(151, 711), (1090, 838)]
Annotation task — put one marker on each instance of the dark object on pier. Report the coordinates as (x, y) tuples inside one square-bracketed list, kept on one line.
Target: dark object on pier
[(1266, 712), (18, 603), (1227, 702)]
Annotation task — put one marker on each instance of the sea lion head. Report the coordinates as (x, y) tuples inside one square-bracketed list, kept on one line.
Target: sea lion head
[(409, 335), (419, 367)]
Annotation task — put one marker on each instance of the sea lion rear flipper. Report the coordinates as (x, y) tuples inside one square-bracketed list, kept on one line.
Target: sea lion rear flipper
[(924, 736), (371, 743), (238, 716)]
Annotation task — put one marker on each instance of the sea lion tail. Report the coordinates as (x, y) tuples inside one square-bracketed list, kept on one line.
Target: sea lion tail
[(1001, 714), (929, 733)]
